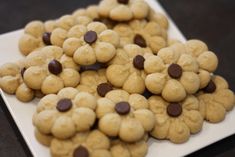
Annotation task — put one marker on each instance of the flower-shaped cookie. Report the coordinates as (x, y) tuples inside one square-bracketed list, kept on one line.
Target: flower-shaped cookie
[(124, 115), (145, 34), (175, 121), (51, 72), (206, 59), (126, 69), (172, 74), (123, 10), (216, 99), (32, 37), (87, 144), (38, 34), (11, 82), (90, 44), (158, 17), (94, 82), (136, 149), (92, 12), (66, 113)]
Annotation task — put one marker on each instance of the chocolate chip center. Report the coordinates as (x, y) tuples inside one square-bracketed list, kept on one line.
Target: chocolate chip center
[(138, 62), (104, 88), (122, 108), (64, 105), (175, 71), (46, 37), (55, 67), (174, 109), (90, 37), (210, 88), (139, 40), (123, 1), (22, 72), (81, 152)]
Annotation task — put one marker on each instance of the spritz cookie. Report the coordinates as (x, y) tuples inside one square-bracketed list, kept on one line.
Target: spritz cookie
[(176, 121), (216, 99), (66, 113), (124, 115)]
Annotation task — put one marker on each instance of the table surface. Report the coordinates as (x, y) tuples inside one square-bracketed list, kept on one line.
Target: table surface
[(209, 20)]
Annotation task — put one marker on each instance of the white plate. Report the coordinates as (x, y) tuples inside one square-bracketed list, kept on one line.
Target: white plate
[(22, 113)]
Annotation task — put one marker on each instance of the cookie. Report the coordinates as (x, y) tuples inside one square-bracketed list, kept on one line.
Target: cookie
[(216, 99), (136, 149), (11, 82), (32, 38), (126, 69), (93, 43), (159, 18), (54, 72), (86, 144), (124, 115), (44, 139), (92, 13), (123, 10), (207, 60), (142, 33), (172, 74), (94, 82), (175, 121), (66, 113)]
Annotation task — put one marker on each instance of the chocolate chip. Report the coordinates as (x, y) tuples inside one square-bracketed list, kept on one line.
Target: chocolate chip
[(90, 37), (123, 1), (22, 72), (46, 37), (139, 40), (138, 62), (55, 67), (174, 109), (104, 88), (175, 71), (64, 105), (122, 108), (81, 152), (210, 88)]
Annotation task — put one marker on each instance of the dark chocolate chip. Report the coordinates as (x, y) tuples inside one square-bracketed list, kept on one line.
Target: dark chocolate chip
[(104, 88), (64, 105), (46, 37), (81, 152), (175, 71), (90, 37), (22, 72), (123, 1), (139, 40), (55, 67), (138, 62), (210, 88), (174, 109), (122, 108)]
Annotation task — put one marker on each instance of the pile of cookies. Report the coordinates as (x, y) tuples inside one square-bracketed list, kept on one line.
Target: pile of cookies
[(108, 77)]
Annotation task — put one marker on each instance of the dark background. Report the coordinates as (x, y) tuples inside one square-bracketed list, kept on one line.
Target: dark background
[(212, 21)]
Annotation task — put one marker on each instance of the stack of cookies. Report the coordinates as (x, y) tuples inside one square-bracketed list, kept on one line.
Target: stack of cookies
[(107, 77)]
